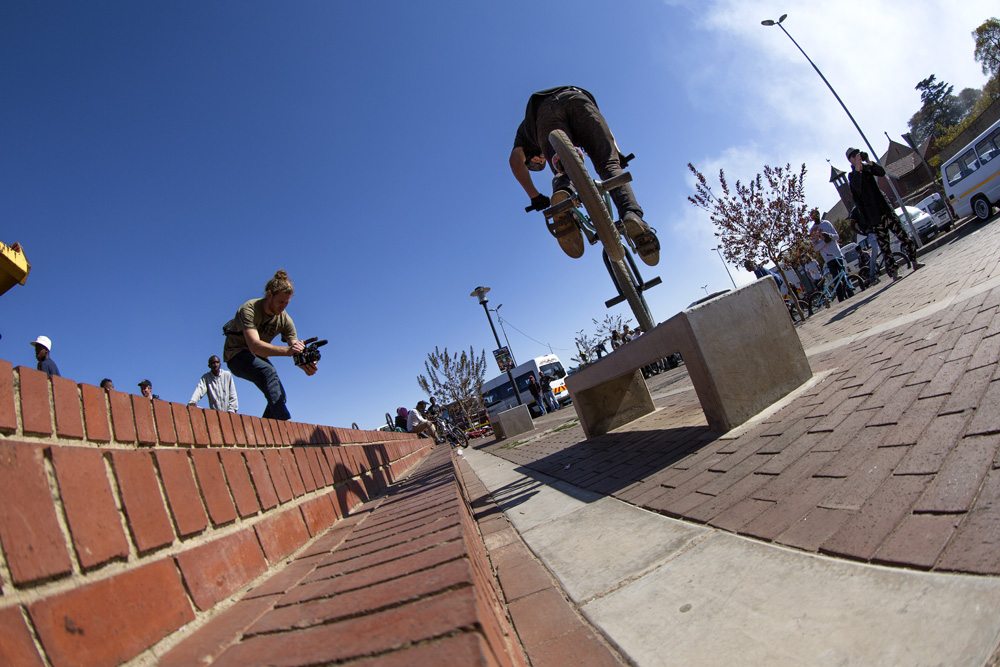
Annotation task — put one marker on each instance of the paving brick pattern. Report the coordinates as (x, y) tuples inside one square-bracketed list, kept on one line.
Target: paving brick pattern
[(403, 581), (894, 457)]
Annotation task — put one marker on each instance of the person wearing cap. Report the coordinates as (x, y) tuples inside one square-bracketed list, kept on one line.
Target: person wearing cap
[(219, 386), (417, 423), (146, 388), (574, 111), (875, 211), (43, 350)]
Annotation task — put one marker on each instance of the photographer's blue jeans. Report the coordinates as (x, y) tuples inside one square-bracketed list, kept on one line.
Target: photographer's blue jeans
[(261, 372)]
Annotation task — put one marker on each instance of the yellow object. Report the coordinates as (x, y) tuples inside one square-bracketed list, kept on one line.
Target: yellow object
[(14, 266)]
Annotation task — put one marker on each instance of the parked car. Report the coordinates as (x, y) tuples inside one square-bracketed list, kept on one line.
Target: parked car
[(934, 206), (851, 257), (923, 223)]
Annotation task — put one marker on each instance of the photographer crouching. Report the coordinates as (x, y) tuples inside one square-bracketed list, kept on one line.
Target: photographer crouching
[(248, 343)]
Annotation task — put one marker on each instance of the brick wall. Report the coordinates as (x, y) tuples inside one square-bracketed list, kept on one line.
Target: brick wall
[(122, 519)]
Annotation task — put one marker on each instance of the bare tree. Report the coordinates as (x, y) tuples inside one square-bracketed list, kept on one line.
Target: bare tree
[(456, 379), (584, 347), (763, 219), (608, 324)]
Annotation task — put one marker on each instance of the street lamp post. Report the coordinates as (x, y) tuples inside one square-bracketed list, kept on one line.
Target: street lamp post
[(480, 292), (723, 260), (504, 331), (906, 214)]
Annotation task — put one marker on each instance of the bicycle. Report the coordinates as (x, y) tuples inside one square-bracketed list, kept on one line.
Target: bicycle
[(824, 295), (900, 259), (599, 223), (447, 431), (803, 307)]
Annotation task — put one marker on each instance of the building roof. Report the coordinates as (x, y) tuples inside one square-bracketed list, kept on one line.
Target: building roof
[(835, 173), (900, 160)]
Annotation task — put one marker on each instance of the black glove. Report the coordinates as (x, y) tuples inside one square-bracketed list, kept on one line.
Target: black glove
[(540, 202)]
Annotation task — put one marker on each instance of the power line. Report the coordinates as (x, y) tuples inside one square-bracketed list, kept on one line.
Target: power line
[(511, 325)]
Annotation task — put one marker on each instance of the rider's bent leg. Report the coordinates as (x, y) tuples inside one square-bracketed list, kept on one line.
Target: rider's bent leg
[(262, 373)]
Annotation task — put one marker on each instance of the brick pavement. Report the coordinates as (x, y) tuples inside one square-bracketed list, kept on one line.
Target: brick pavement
[(893, 457)]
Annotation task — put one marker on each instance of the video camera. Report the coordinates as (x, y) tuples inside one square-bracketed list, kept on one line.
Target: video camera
[(311, 353)]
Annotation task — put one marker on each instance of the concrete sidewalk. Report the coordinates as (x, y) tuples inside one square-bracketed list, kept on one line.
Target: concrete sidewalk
[(891, 457)]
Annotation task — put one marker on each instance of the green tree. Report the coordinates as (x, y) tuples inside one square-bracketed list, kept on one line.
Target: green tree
[(455, 379), (987, 51), (763, 219), (939, 110)]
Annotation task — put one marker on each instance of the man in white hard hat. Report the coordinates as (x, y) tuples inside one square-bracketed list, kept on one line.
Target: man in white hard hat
[(43, 349)]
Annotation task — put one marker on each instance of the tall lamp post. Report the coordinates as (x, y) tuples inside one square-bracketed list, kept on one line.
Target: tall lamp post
[(723, 260), (906, 214), (480, 292)]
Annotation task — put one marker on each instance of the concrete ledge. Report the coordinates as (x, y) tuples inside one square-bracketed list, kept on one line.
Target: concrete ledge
[(741, 351)]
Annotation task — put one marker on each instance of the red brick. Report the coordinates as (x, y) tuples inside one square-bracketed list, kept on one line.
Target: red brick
[(265, 434), (276, 467), (956, 485), (247, 421), (987, 417), (90, 508), (17, 648), (468, 649), (121, 416), (163, 412), (147, 517), (216, 570), (323, 464), (336, 464), (144, 427), (305, 470), (36, 417), (228, 435), (238, 431), (182, 491), (292, 472), (261, 479), (281, 534), (239, 482), (35, 548), (918, 540), (740, 513), (280, 430), (934, 444), (69, 419), (8, 413), (214, 427), (976, 545), (361, 636), (319, 513), (865, 480), (258, 430), (199, 426), (182, 423), (216, 636), (350, 494), (95, 413), (286, 578), (543, 616), (112, 620), (863, 532), (213, 486)]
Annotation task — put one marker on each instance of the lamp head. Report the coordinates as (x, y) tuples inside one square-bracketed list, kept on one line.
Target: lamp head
[(480, 292), (769, 22)]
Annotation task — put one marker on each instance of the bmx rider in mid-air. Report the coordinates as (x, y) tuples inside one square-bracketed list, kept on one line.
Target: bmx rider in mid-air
[(574, 110)]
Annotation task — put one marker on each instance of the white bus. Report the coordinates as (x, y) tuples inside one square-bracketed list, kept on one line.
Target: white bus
[(972, 178), (498, 395)]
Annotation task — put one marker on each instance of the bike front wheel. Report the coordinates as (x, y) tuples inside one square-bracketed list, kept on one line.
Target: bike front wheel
[(599, 214)]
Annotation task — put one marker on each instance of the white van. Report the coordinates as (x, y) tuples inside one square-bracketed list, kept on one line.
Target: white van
[(498, 394), (934, 206), (972, 178)]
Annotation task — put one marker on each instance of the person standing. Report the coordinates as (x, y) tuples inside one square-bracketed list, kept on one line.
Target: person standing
[(43, 348), (876, 211), (825, 239), (861, 228), (549, 398), (536, 392), (219, 386), (248, 345)]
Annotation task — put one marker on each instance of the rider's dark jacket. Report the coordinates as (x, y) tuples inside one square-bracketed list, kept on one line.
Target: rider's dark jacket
[(869, 199)]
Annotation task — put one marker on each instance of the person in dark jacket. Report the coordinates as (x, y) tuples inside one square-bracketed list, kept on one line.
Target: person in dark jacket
[(875, 211), (574, 110), (536, 392), (43, 346)]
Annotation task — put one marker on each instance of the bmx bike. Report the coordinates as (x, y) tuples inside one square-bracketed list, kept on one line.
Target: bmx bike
[(599, 223)]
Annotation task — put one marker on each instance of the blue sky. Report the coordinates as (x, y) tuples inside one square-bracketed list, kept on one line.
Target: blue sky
[(158, 162)]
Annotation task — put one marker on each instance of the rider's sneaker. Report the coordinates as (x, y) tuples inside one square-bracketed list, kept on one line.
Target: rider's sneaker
[(565, 229), (918, 265), (644, 238)]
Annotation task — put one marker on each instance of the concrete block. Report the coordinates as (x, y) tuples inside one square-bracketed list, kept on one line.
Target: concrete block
[(512, 422), (741, 351)]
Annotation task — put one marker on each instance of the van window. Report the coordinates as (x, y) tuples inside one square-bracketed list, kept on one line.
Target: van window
[(498, 394), (934, 205), (554, 369), (962, 167), (987, 148)]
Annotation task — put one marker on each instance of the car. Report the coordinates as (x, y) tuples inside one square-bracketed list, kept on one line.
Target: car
[(851, 257), (934, 206), (923, 223)]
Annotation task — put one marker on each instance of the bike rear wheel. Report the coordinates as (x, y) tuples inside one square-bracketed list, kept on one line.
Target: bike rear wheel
[(857, 283), (599, 214), (817, 300)]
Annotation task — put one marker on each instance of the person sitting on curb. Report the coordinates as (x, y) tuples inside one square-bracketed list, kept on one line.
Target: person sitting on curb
[(416, 423)]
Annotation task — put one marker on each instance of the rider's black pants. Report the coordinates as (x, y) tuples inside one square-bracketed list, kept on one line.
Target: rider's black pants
[(574, 113), (890, 223)]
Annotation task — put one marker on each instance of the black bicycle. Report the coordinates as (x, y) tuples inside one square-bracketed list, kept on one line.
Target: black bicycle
[(455, 436), (901, 260)]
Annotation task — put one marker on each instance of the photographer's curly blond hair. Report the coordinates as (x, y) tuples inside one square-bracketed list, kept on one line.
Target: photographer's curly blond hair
[(279, 284)]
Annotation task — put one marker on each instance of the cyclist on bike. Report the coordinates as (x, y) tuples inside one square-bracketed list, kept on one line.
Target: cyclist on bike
[(825, 240), (876, 211), (574, 110)]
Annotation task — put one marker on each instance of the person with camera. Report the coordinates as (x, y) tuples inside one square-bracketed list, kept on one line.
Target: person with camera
[(248, 345), (875, 211)]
